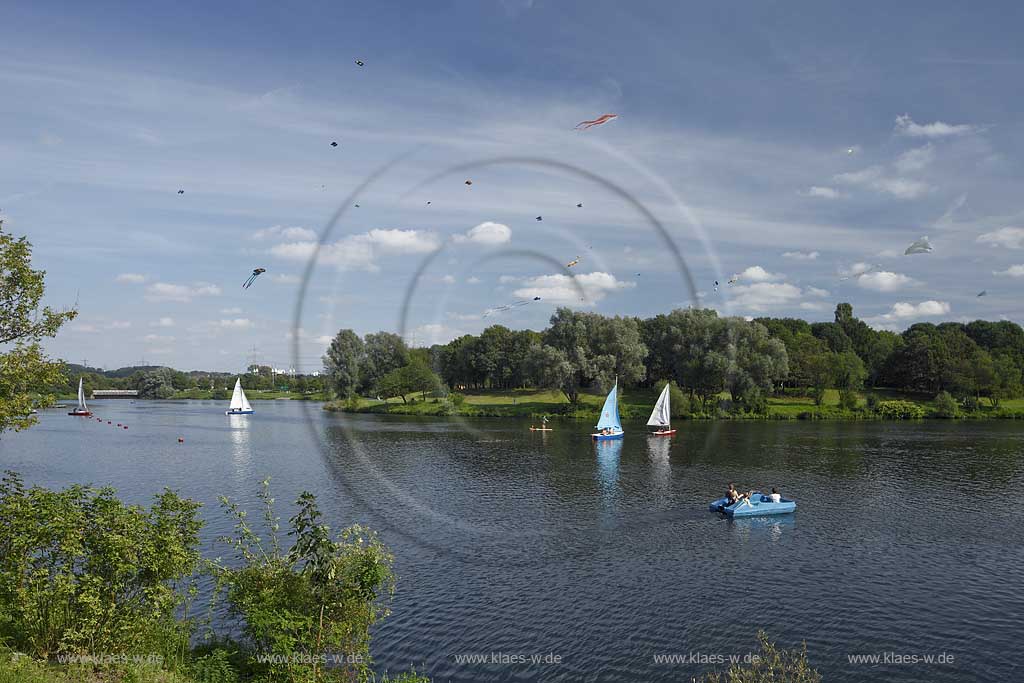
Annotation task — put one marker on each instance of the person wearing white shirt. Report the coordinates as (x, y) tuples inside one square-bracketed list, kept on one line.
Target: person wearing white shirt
[(775, 497)]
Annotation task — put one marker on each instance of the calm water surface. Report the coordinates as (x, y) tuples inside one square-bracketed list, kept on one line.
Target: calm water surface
[(907, 539)]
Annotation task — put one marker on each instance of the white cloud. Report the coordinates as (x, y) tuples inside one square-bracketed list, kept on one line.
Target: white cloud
[(1012, 271), (429, 334), (508, 279), (473, 280), (130, 278), (815, 291), (285, 233), (915, 159), (938, 129), (165, 291), (157, 339), (324, 339), (759, 274), (234, 310), (120, 325), (465, 316), (822, 192), (884, 281), (812, 306), (285, 279), (875, 178), (359, 252), (904, 311), (801, 255), (236, 323), (163, 322), (448, 279), (487, 233), (1009, 238), (763, 295), (565, 289), (84, 328)]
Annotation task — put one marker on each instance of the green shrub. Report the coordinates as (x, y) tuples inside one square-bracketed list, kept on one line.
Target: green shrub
[(457, 399), (848, 399), (214, 667), (872, 402), (320, 597), (899, 410), (770, 665), (81, 572), (945, 405), (971, 404)]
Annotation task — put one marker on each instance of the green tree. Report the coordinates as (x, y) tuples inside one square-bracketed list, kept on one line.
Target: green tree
[(1007, 379), (382, 353), (409, 379), (26, 373), (549, 368), (848, 373), (820, 375), (341, 362), (156, 384)]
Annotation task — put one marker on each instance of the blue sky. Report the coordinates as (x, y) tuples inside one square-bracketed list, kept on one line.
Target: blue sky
[(735, 130)]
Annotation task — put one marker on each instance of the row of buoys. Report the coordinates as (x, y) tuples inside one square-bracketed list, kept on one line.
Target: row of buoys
[(100, 419)]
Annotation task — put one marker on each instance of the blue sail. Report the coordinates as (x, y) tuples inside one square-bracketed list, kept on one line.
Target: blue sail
[(610, 411)]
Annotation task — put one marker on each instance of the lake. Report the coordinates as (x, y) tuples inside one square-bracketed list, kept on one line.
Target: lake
[(510, 544)]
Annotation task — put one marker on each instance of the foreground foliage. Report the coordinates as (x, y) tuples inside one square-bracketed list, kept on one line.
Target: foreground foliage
[(771, 666)]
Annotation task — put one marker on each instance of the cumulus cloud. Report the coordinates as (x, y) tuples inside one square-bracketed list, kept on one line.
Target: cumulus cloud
[(812, 306), (285, 279), (166, 291), (937, 129), (430, 334), (473, 280), (815, 291), (801, 255), (234, 310), (761, 296), (1012, 271), (821, 192), (884, 281), (130, 278), (235, 323), (487, 233), (507, 279), (565, 289), (906, 311), (120, 325), (1009, 238), (359, 252), (285, 233), (759, 274), (875, 178), (163, 322), (448, 279), (157, 339)]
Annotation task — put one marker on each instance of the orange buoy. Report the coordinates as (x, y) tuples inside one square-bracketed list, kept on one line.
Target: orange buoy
[(118, 424)]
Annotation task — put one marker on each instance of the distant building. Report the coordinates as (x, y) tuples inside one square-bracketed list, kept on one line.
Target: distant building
[(114, 393)]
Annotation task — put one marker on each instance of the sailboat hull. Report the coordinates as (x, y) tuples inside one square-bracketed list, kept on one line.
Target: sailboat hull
[(663, 432), (239, 412), (81, 413), (608, 437)]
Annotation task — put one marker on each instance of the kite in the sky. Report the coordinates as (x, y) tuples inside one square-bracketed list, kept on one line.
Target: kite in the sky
[(252, 278), (540, 218), (509, 307), (428, 203), (733, 279), (849, 151), (580, 205), (359, 62), (357, 206), (469, 182), (572, 263), (181, 191), (604, 118), (921, 246), (334, 144), (716, 285), (982, 293)]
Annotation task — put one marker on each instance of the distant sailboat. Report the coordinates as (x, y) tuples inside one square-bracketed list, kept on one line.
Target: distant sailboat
[(661, 416), (239, 403), (608, 427), (82, 410)]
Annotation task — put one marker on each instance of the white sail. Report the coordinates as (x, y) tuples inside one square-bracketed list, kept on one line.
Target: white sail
[(661, 415), (81, 396), (238, 399)]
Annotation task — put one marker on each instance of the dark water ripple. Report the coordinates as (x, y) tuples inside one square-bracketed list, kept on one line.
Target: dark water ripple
[(907, 539)]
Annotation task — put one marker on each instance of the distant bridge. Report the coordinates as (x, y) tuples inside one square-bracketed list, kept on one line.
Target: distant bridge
[(114, 393)]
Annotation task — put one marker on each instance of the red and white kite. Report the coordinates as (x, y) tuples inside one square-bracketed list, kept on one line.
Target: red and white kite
[(604, 118)]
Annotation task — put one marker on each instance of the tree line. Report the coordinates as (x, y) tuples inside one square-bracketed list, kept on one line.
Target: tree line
[(705, 354)]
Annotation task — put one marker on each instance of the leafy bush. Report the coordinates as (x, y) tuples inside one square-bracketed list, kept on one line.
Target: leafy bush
[(872, 402), (321, 597), (848, 399), (81, 572), (771, 665), (899, 410), (945, 405), (754, 401), (214, 667), (457, 399), (971, 404)]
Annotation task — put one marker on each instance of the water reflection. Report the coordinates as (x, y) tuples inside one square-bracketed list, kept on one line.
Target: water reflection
[(658, 450), (241, 450), (607, 456)]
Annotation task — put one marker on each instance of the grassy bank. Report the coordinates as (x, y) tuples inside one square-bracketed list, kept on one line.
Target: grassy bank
[(637, 404)]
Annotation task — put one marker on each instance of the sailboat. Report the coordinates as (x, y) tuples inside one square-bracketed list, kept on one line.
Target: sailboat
[(82, 410), (661, 416), (608, 427), (239, 403)]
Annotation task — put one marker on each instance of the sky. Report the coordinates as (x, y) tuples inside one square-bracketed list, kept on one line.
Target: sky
[(799, 146)]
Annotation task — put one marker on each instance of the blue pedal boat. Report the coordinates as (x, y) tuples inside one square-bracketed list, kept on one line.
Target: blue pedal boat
[(759, 504)]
